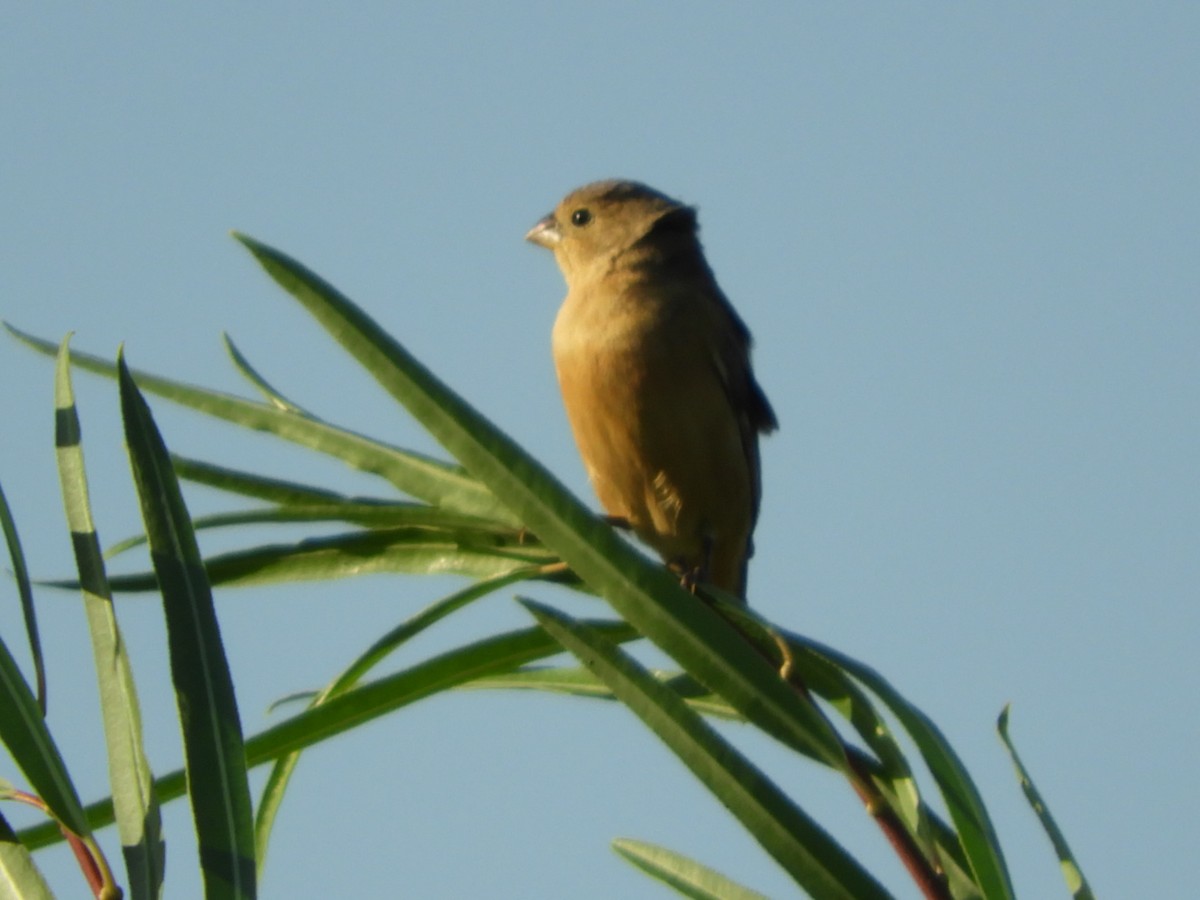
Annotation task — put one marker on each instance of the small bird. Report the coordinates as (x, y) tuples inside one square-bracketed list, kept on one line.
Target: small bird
[(654, 367)]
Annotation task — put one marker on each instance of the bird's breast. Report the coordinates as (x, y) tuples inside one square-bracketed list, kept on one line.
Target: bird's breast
[(652, 421)]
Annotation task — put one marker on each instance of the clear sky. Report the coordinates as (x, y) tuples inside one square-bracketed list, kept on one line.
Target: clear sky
[(965, 238)]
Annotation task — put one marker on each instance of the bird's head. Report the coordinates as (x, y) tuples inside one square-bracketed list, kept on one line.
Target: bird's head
[(595, 224)]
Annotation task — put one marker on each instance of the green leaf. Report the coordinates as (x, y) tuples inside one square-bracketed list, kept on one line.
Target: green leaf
[(23, 729), (251, 484), (367, 702), (411, 550), (21, 575), (805, 851), (371, 515), (24, 734), (890, 771), (138, 818), (281, 772), (264, 387), (19, 877), (976, 834), (579, 682), (1076, 882), (419, 476), (687, 876), (212, 732)]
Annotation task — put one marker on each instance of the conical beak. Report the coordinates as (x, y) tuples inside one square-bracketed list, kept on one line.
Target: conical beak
[(545, 233)]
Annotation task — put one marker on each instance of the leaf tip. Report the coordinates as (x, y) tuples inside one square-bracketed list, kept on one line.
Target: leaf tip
[(534, 608), (246, 241)]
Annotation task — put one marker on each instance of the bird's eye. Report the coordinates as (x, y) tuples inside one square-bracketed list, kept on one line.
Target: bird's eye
[(581, 217)]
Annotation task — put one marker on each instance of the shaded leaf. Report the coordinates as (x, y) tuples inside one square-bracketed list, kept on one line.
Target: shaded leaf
[(212, 732), (975, 831), (805, 851), (25, 591)]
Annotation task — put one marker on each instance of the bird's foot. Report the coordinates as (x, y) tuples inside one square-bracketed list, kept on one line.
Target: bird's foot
[(690, 579)]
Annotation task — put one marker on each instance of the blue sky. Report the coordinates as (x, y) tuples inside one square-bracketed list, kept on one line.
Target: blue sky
[(966, 239)]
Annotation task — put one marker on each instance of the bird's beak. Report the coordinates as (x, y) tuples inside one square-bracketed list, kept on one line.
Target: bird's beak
[(545, 233)]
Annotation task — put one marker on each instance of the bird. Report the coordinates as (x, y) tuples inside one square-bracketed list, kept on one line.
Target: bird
[(653, 363)]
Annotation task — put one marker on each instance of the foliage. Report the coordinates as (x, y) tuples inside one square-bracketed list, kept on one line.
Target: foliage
[(500, 518)]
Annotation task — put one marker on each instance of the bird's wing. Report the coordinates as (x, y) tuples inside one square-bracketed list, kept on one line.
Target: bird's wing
[(731, 359)]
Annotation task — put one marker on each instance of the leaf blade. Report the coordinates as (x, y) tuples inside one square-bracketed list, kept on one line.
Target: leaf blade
[(1077, 882), (690, 878), (805, 850), (420, 476), (139, 820), (213, 745), (976, 833)]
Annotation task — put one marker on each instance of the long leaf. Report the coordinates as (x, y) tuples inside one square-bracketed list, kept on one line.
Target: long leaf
[(252, 484), (500, 653), (370, 515), (580, 682), (690, 878), (19, 877), (893, 775), (281, 772), (138, 819), (212, 731), (976, 833), (419, 476), (805, 851), (411, 550), (1072, 873), (24, 734), (289, 495), (21, 575)]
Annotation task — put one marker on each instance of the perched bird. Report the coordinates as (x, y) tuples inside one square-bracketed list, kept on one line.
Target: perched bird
[(654, 367)]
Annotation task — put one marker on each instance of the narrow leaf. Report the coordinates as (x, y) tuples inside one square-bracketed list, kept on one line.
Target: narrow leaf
[(24, 734), (976, 834), (581, 682), (410, 550), (687, 876), (21, 574), (264, 387), (805, 851), (419, 476), (892, 775), (19, 877), (138, 819), (371, 515), (367, 702), (281, 772), (251, 484), (1076, 882), (212, 733)]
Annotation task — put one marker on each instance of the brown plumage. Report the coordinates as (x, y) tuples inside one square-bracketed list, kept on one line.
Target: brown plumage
[(654, 366)]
